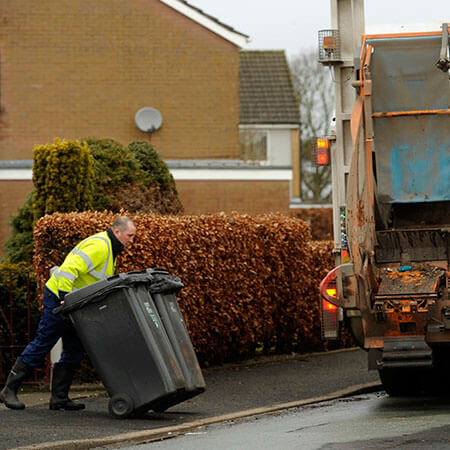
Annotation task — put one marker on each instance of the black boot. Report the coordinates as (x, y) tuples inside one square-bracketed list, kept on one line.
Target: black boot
[(61, 381), (9, 393)]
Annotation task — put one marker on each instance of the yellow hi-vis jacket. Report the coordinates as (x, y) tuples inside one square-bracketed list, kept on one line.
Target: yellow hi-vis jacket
[(90, 261)]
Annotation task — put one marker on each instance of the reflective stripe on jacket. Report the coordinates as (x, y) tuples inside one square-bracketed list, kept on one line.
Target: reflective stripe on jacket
[(90, 261)]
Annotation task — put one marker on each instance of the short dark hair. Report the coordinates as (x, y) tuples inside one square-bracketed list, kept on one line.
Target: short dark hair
[(121, 223)]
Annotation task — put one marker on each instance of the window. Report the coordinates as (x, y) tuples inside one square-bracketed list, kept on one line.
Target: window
[(253, 145)]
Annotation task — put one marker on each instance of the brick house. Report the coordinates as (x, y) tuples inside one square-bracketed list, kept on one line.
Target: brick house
[(83, 69)]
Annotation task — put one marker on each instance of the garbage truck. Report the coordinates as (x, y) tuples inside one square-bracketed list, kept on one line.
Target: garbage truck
[(389, 151)]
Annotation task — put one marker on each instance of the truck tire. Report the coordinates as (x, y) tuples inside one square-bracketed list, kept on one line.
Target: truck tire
[(400, 382), (412, 381)]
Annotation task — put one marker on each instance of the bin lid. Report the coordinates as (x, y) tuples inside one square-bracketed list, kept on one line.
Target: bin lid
[(159, 281), (99, 290)]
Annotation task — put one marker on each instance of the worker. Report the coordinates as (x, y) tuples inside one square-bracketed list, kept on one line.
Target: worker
[(91, 260)]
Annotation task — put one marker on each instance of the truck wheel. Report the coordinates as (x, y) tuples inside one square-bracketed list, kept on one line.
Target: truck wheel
[(398, 382), (405, 382), (120, 406)]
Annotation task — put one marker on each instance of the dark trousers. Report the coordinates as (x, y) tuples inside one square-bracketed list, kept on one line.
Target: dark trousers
[(51, 328)]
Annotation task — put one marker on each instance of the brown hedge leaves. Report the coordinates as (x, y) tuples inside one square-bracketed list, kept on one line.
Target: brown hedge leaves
[(319, 219), (250, 281)]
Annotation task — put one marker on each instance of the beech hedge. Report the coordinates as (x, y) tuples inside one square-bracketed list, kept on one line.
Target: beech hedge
[(320, 221), (251, 282)]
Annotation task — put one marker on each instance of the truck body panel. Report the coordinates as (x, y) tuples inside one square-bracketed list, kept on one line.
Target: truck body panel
[(412, 151)]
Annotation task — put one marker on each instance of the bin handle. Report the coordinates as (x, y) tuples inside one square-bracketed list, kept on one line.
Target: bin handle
[(58, 309), (97, 297)]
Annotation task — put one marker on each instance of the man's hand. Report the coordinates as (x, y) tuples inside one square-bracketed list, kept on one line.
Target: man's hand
[(61, 295)]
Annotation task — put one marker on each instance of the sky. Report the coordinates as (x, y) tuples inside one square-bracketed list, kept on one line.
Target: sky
[(292, 25)]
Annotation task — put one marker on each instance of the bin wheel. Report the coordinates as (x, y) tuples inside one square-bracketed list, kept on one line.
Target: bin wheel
[(120, 406)]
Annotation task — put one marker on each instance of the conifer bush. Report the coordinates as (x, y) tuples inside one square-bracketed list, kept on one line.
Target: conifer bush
[(160, 191), (114, 167), (132, 177), (62, 178), (19, 247)]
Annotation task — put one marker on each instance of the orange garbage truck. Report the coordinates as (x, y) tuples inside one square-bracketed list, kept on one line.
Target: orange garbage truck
[(389, 149)]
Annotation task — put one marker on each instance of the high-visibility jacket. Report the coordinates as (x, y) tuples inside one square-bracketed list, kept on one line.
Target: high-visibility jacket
[(90, 261)]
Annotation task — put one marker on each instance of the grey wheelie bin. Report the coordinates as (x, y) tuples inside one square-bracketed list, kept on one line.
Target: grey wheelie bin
[(163, 289), (123, 334)]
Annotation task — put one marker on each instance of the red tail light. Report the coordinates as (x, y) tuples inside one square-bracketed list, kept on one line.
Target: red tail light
[(328, 306), (323, 152)]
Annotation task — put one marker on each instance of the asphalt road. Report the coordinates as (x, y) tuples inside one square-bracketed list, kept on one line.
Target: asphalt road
[(364, 422), (254, 386)]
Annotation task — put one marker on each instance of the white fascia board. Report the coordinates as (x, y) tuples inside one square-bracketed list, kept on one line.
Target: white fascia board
[(235, 38), (185, 174), (16, 174), (270, 126), (232, 174)]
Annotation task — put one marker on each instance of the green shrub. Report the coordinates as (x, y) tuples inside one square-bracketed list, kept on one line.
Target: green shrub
[(19, 246), (62, 177), (19, 310), (134, 178), (160, 195), (156, 170), (114, 167)]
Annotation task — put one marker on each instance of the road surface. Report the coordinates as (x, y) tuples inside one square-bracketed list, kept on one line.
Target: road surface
[(370, 421)]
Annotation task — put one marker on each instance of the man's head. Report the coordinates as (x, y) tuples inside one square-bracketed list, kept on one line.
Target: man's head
[(124, 229)]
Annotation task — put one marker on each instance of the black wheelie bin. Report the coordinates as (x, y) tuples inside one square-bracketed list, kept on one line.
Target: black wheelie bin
[(163, 289), (124, 336)]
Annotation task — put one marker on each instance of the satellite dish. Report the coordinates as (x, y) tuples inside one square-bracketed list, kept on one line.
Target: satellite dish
[(148, 119)]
